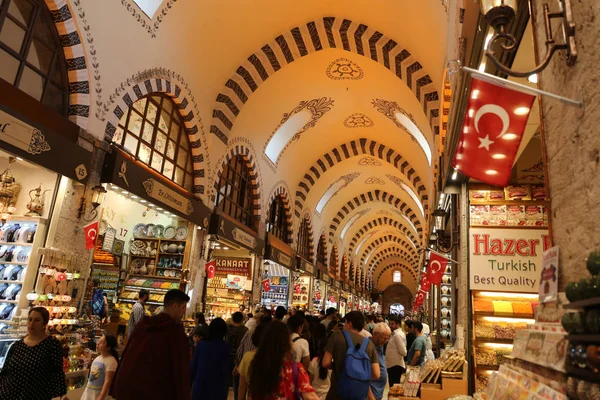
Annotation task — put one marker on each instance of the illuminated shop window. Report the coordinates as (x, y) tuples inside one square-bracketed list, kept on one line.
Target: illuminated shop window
[(31, 55), (235, 196), (152, 130)]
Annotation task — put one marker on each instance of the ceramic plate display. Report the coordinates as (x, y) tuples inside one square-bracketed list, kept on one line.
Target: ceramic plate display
[(164, 247), (283, 280), (182, 233), (149, 230), (157, 231), (138, 247), (169, 232), (139, 230), (137, 264)]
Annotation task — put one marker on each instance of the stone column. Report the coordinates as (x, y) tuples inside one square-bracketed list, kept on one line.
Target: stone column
[(572, 142)]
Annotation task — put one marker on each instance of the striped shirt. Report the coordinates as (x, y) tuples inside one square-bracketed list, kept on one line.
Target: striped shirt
[(137, 314)]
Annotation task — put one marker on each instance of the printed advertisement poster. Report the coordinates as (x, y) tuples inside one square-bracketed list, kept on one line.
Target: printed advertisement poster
[(549, 276), (507, 260), (236, 282)]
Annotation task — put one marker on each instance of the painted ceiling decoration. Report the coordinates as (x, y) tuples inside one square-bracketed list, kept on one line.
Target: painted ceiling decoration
[(140, 10), (374, 196), (383, 221), (374, 180), (404, 121), (293, 124), (342, 68), (351, 149), (333, 189), (369, 162), (328, 32), (358, 120)]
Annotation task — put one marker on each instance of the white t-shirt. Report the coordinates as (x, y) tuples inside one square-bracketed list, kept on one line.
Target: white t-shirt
[(321, 386), (301, 349), (100, 366), (365, 333)]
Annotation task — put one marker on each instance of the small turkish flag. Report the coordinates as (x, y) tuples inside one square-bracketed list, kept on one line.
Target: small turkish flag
[(91, 233), (492, 131), (266, 284), (211, 269), (436, 268), (419, 299), (425, 283)]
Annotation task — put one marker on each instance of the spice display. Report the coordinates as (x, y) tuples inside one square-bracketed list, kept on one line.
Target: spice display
[(522, 308), (502, 307), (485, 356), (484, 330), (504, 331), (481, 382), (500, 353), (483, 306)]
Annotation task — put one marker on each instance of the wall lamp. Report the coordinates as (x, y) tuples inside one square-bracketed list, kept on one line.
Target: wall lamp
[(444, 243), (499, 13), (98, 194)]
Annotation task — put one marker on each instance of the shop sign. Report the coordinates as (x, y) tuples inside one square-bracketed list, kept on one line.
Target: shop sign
[(302, 264), (168, 196), (233, 266), (279, 252), (337, 284), (326, 278), (345, 286), (508, 260), (30, 139), (225, 227)]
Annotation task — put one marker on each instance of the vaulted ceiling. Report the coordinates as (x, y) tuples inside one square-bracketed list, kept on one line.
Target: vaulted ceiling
[(338, 103)]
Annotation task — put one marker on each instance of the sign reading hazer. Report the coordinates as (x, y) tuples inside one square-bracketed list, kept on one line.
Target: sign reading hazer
[(507, 260)]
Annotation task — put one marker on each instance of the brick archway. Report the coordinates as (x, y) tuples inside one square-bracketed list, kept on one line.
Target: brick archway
[(380, 222), (281, 189)]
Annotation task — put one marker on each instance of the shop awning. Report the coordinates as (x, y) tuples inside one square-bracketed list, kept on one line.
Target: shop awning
[(124, 171), (39, 134), (226, 228), (279, 252), (277, 270)]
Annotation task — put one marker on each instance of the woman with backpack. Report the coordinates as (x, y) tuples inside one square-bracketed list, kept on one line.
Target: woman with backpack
[(273, 358)]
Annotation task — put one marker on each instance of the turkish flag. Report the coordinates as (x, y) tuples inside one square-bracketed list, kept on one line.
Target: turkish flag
[(436, 268), (425, 283), (493, 127), (91, 233), (419, 299), (211, 269), (266, 285)]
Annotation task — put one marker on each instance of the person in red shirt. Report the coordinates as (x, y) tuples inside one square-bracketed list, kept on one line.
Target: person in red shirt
[(156, 361), (274, 358)]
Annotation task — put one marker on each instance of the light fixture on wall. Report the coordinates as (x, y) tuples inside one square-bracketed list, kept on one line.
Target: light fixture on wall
[(443, 243), (500, 13), (98, 195)]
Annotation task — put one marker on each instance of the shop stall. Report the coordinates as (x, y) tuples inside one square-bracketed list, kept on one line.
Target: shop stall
[(277, 279), (320, 286), (344, 298), (148, 226), (302, 295), (333, 294), (233, 247)]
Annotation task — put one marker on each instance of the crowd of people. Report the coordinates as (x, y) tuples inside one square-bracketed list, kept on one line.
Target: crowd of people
[(262, 356)]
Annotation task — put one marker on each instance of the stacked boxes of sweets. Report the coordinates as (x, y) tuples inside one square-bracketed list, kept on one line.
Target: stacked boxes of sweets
[(509, 214)]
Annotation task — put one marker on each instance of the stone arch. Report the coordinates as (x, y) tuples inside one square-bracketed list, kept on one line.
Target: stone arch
[(372, 196), (250, 160), (321, 241), (398, 266), (384, 253), (136, 91), (78, 75), (311, 248), (391, 238), (344, 272), (379, 222), (351, 149), (328, 32), (281, 189), (334, 261)]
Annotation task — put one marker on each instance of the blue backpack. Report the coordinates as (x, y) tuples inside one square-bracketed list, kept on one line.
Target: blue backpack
[(356, 375), (97, 303)]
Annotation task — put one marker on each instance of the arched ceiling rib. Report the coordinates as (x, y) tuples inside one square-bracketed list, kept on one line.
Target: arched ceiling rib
[(382, 222), (411, 254), (314, 36)]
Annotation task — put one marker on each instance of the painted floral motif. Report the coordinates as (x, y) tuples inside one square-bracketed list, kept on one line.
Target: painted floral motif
[(38, 143), (374, 180), (342, 68), (358, 120), (369, 162)]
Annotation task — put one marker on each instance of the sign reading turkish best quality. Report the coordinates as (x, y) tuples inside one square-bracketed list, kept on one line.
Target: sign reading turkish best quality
[(507, 260)]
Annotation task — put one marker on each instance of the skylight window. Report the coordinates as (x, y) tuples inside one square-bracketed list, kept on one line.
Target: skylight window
[(414, 130), (397, 277), (149, 7), (363, 242), (349, 224), (413, 196), (285, 133)]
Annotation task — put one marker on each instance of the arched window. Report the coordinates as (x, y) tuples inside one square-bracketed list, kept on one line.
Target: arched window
[(31, 55), (234, 192), (321, 250), (278, 223), (152, 130), (397, 277), (304, 241)]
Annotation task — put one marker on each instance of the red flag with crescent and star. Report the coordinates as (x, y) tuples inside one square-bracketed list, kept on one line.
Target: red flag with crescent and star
[(91, 233), (425, 283), (493, 127), (211, 269), (436, 268), (419, 299)]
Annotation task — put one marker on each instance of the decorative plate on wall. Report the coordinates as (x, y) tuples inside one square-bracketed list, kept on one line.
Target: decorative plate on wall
[(169, 232)]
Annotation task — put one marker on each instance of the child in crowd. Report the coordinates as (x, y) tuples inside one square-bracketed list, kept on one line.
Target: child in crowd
[(102, 370)]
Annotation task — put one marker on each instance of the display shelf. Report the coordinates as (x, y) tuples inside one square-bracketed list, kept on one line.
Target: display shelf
[(134, 301), (585, 374), (16, 244), (105, 265), (150, 289), (135, 256), (173, 240), (483, 368), (171, 254), (13, 263), (17, 218), (578, 305), (10, 301), (9, 281), (153, 277), (146, 238), (170, 269), (502, 315), (585, 338), (493, 340)]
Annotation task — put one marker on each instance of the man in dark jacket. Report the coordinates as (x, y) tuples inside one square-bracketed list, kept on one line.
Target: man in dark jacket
[(235, 334), (156, 360)]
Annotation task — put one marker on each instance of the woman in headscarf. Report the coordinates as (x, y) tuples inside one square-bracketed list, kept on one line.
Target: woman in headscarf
[(429, 356)]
